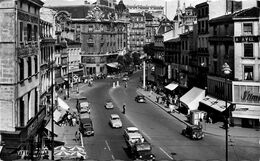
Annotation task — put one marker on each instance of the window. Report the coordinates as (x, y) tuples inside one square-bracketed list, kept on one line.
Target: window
[(21, 102), (29, 62), (90, 28), (21, 31), (248, 72), (35, 32), (21, 67), (248, 50), (36, 64), (248, 28), (29, 32)]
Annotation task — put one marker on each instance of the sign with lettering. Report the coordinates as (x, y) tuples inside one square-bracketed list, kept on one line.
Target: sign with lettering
[(247, 94), (240, 39)]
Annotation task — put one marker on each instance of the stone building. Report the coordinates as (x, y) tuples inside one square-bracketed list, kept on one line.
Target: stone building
[(20, 114), (101, 34), (234, 40), (151, 26), (136, 32)]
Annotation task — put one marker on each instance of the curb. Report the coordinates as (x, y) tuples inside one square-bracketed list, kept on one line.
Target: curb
[(184, 122), (163, 109)]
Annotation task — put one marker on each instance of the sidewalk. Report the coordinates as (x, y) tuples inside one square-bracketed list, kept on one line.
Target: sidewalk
[(67, 133), (212, 129)]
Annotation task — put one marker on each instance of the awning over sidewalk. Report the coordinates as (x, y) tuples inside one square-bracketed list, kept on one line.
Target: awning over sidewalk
[(113, 65), (192, 98), (62, 104), (246, 111), (171, 86), (214, 103), (56, 115)]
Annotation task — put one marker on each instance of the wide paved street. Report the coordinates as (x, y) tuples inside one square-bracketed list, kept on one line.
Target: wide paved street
[(160, 128)]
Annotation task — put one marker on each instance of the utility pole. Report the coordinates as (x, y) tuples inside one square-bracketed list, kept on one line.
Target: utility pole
[(144, 81), (52, 111)]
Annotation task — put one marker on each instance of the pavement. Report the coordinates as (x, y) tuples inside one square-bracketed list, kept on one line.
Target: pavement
[(66, 133), (212, 129)]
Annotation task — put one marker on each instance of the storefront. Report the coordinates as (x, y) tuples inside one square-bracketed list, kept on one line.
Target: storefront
[(25, 142), (246, 97)]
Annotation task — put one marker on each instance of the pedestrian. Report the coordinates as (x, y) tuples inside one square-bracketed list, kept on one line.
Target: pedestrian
[(123, 108), (76, 135), (74, 121), (157, 99)]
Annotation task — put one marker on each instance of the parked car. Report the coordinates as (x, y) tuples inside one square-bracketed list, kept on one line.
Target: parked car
[(140, 99), (86, 127), (115, 121), (109, 104), (125, 78), (193, 132)]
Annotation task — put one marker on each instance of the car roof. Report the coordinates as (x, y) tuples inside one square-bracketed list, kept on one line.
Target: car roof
[(132, 129), (114, 116)]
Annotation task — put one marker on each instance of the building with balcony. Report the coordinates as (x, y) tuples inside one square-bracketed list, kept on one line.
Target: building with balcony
[(21, 117), (234, 40), (99, 30), (136, 37), (151, 26)]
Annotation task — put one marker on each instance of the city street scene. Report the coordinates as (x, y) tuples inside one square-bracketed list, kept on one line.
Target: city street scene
[(130, 80)]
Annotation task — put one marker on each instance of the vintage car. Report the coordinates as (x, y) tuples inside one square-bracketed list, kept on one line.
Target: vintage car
[(193, 132), (140, 99), (125, 78), (115, 121), (86, 127), (109, 104)]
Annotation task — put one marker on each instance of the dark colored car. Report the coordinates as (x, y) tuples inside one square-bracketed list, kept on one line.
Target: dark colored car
[(86, 127), (140, 99), (193, 132)]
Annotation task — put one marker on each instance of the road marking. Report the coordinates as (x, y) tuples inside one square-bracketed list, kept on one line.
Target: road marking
[(166, 153), (146, 135), (107, 145), (113, 157)]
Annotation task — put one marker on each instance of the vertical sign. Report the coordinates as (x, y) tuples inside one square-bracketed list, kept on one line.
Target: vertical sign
[(169, 72)]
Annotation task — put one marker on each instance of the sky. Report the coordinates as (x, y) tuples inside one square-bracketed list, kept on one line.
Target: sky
[(171, 4)]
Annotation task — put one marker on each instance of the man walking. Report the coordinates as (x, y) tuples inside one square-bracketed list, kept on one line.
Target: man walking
[(123, 108)]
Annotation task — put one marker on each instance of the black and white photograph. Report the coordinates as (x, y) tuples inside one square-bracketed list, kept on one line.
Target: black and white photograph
[(129, 80)]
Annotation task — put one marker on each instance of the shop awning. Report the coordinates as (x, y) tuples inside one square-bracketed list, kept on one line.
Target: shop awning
[(246, 111), (215, 103), (62, 104), (56, 115), (192, 98), (59, 80), (113, 65), (171, 86)]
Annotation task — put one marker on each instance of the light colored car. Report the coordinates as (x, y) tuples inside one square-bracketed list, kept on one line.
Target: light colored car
[(109, 104), (115, 121), (140, 99), (132, 135), (125, 78)]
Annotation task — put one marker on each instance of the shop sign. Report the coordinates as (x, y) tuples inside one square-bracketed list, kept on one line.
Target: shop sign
[(169, 72), (247, 94), (240, 39), (23, 153), (34, 124)]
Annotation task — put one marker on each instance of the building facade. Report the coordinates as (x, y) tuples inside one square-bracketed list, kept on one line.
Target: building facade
[(20, 114), (101, 34), (136, 32)]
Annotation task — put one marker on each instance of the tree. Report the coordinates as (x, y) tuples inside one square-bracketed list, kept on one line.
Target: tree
[(148, 49), (136, 58)]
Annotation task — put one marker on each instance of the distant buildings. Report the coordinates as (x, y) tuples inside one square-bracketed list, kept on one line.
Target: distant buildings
[(101, 32)]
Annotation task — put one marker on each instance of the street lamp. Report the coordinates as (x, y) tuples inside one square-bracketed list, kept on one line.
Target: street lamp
[(226, 69)]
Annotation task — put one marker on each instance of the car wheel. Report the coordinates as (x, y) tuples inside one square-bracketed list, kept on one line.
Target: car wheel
[(183, 132)]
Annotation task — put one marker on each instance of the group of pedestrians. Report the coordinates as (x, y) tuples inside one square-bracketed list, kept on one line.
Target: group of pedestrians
[(69, 119)]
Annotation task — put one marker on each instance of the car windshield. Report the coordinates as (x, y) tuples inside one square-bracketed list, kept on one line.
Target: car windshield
[(115, 118)]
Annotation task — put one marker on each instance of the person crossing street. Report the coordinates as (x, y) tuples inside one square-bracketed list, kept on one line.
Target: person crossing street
[(124, 106)]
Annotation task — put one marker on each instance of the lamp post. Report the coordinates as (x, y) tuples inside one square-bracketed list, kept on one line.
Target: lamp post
[(226, 69)]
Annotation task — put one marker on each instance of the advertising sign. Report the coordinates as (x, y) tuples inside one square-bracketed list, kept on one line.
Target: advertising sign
[(169, 72), (247, 94)]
